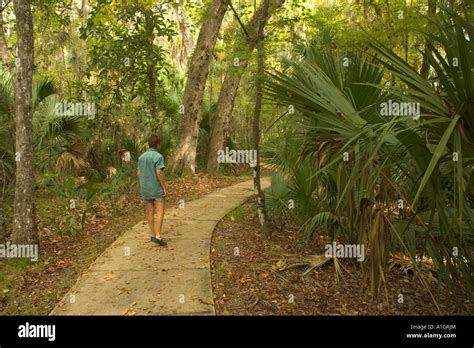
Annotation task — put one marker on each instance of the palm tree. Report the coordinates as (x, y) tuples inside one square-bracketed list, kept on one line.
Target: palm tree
[(58, 140), (401, 182)]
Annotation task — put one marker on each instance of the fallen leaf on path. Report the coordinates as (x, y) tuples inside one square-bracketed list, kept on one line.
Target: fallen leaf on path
[(205, 302), (128, 312)]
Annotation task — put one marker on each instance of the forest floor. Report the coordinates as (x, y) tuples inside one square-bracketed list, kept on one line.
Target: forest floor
[(248, 283), (243, 279), (34, 288)]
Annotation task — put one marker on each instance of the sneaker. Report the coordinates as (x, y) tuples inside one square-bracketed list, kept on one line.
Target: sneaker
[(160, 242)]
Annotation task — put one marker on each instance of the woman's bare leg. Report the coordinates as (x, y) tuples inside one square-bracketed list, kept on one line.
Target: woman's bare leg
[(160, 212), (149, 211)]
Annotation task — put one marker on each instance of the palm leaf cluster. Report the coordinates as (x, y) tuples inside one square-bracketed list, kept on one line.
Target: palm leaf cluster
[(58, 140), (400, 184)]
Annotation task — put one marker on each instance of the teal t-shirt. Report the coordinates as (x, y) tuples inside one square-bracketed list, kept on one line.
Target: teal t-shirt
[(148, 163)]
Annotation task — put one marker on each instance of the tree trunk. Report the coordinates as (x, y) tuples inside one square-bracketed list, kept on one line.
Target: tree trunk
[(262, 215), (225, 102), (365, 7), (24, 227), (221, 118), (78, 54), (152, 90), (183, 157), (4, 179), (5, 54), (183, 44), (151, 67), (425, 65), (84, 8)]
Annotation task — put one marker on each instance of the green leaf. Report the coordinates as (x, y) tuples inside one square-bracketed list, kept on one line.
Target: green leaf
[(436, 156)]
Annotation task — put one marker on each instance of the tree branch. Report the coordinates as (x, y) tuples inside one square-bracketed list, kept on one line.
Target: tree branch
[(238, 19), (4, 4)]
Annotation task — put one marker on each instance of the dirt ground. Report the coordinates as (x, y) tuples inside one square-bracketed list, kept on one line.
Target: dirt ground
[(244, 282)]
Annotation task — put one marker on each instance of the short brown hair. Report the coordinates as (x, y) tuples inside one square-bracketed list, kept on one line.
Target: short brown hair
[(154, 140)]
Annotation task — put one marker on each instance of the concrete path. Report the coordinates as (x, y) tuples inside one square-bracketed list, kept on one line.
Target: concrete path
[(135, 277)]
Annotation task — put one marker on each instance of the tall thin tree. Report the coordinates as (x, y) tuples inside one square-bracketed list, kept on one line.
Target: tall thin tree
[(183, 158), (230, 86), (425, 65), (24, 227), (5, 54), (262, 214)]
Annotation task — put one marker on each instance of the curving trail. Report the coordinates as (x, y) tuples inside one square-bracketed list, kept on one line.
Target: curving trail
[(135, 277)]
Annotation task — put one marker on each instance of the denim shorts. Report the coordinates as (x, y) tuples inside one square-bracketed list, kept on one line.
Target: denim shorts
[(159, 199)]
